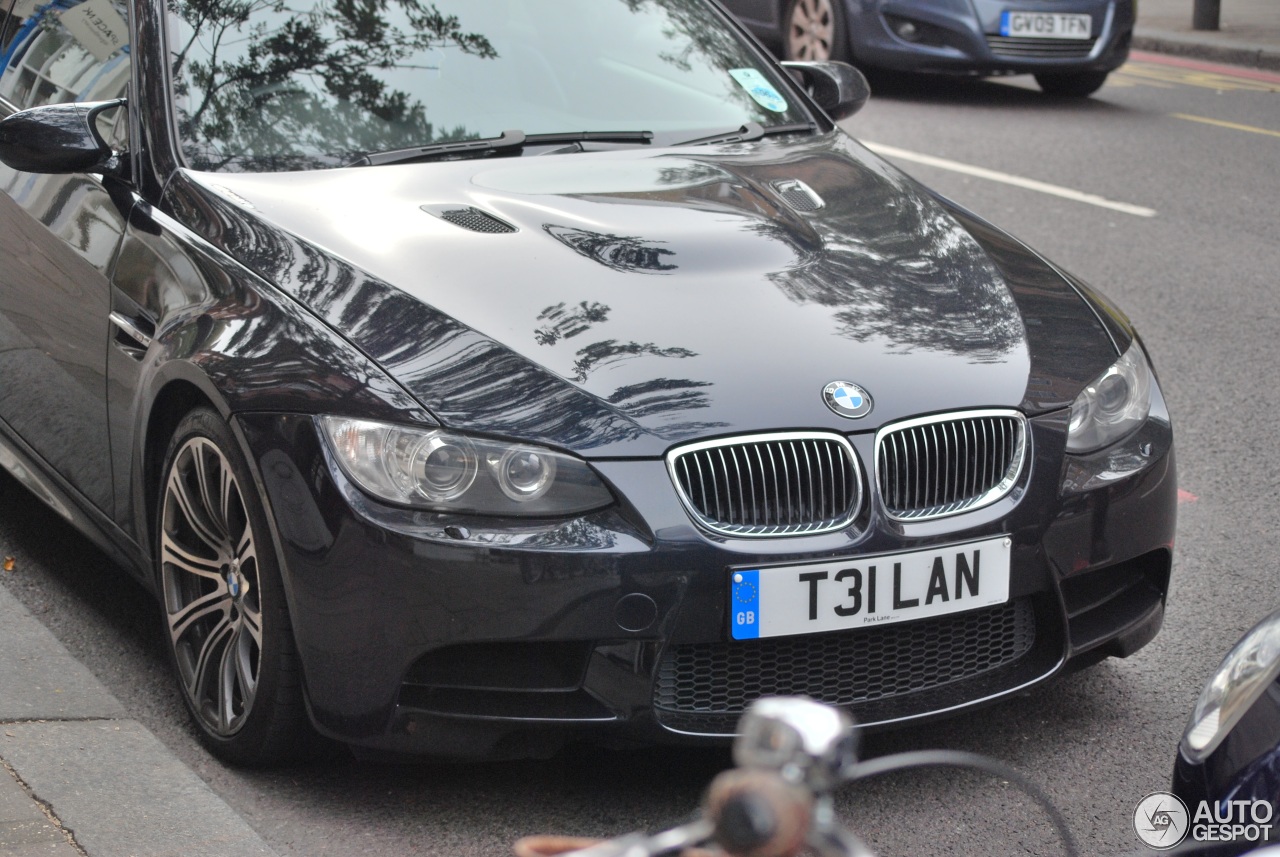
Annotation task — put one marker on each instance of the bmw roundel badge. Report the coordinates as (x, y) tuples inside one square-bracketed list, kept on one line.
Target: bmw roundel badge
[(847, 400)]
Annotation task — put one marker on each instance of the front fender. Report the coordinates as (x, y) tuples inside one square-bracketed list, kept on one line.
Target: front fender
[(225, 337)]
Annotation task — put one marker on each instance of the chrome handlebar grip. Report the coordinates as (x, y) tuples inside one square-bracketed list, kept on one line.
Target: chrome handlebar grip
[(808, 743)]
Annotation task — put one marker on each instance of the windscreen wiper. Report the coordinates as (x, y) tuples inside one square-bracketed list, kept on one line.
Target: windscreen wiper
[(749, 131), (510, 141)]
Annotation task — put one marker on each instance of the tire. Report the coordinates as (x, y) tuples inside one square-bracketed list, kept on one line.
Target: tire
[(814, 31), (1078, 84), (225, 619)]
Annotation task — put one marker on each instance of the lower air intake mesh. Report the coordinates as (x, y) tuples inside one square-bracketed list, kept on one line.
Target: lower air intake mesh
[(704, 687)]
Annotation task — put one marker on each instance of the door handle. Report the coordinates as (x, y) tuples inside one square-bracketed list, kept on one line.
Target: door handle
[(132, 336)]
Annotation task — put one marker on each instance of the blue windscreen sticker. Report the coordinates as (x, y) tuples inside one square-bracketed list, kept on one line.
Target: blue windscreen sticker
[(744, 607), (759, 88)]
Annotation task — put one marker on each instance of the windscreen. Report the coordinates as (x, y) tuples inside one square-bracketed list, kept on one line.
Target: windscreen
[(307, 84)]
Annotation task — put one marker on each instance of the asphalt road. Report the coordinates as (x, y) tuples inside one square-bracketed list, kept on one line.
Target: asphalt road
[(1197, 272)]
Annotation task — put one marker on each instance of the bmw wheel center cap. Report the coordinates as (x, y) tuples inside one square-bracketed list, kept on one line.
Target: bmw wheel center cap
[(846, 399)]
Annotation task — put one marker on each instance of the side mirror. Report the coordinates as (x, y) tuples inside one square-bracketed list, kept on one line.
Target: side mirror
[(58, 138), (839, 88)]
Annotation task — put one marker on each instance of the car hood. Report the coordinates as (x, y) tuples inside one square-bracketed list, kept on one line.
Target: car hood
[(617, 303)]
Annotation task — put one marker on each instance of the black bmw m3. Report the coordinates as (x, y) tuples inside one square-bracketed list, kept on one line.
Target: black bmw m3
[(469, 376)]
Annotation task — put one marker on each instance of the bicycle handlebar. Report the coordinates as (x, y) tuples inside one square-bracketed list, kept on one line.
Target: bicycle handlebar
[(792, 754)]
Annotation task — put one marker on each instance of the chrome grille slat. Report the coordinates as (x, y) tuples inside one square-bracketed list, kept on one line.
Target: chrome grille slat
[(917, 494), (788, 465), (812, 511), (1001, 445), (687, 474), (792, 483), (715, 482), (737, 471), (837, 473), (989, 436), (702, 485), (970, 474), (933, 467), (755, 507), (773, 468), (805, 484), (942, 465), (1004, 442), (895, 469), (822, 482), (951, 465)]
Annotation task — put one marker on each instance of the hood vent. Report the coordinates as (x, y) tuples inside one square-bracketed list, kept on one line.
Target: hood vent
[(470, 217), (798, 195)]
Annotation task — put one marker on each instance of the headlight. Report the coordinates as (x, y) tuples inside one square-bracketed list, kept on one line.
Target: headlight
[(443, 470), (1244, 674), (1116, 403)]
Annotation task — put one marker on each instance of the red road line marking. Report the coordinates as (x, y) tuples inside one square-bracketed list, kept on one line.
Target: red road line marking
[(1185, 496), (1198, 65)]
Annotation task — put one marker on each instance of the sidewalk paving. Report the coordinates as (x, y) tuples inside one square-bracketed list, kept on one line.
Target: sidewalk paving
[(78, 777), (1249, 34)]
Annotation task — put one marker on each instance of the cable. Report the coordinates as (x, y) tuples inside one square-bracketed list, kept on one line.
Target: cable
[(959, 759)]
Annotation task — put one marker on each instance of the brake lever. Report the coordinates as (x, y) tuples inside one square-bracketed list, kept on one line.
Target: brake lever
[(673, 841), (831, 839)]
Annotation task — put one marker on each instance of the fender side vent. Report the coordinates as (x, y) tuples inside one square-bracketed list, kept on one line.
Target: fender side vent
[(470, 217), (798, 195)]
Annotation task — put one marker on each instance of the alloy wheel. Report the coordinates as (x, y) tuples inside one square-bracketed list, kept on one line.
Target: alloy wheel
[(210, 578), (811, 30)]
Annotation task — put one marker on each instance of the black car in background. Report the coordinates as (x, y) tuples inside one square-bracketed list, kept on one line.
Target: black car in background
[(466, 377), (1229, 755), (1069, 45)]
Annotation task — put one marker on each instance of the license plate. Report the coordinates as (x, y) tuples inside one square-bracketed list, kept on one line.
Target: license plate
[(1046, 25), (837, 595)]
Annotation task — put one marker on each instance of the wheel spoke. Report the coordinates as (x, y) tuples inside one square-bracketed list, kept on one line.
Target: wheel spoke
[(210, 656), (199, 524), (211, 504), (251, 620), (226, 688), (174, 554), (236, 684), (245, 549), (242, 652), (228, 494), (180, 621)]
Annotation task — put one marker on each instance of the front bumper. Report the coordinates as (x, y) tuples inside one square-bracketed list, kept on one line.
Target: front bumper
[(963, 37), (429, 633)]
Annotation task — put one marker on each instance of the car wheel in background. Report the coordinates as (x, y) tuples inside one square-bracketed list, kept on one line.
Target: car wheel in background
[(814, 30), (226, 622), (1077, 84)]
